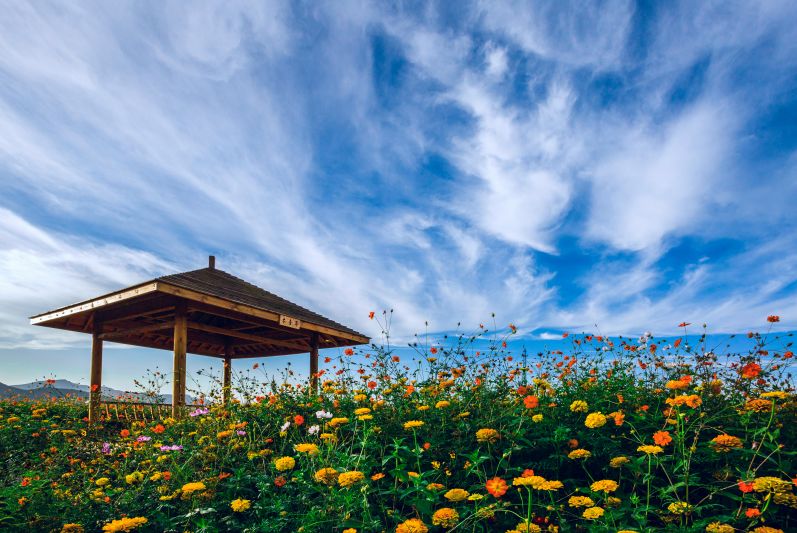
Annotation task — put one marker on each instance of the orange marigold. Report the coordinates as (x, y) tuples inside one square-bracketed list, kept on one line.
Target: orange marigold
[(725, 443), (496, 486), (662, 438)]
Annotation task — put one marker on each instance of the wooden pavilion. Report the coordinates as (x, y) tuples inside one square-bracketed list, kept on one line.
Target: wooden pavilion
[(204, 312)]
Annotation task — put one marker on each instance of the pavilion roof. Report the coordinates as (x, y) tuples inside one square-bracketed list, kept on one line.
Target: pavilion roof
[(223, 310)]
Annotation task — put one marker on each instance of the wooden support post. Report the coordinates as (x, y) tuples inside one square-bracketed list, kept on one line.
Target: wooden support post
[(180, 345), (95, 390), (314, 363), (227, 383)]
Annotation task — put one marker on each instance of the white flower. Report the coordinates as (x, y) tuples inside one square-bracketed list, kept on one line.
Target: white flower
[(312, 430), (323, 414), (285, 427)]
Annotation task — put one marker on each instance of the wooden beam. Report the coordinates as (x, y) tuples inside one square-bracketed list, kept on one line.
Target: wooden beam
[(139, 329), (227, 381), (253, 311), (246, 336), (180, 343), (95, 387), (314, 363), (96, 303)]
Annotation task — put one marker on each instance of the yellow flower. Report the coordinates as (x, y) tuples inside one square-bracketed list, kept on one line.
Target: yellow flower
[(338, 421), (365, 417), (412, 424), (456, 495), (579, 406), (650, 450), (327, 476), (124, 524), (72, 528), (284, 463), (101, 482), (135, 477), (551, 485), (619, 461), (188, 488), (224, 434), (678, 507), (779, 394), (766, 529), (593, 513), (595, 420), (328, 437), (240, 505), (770, 484), (305, 447), (475, 497), (347, 479), (362, 411), (719, 527), (434, 486), (350, 530), (579, 453), (535, 482), (487, 435), (360, 397), (580, 501), (445, 517), (413, 525), (536, 418), (442, 404), (604, 485), (527, 527)]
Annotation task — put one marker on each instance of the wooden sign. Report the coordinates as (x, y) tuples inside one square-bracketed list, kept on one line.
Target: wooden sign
[(290, 322)]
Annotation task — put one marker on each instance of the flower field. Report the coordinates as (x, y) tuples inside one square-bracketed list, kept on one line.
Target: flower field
[(611, 435)]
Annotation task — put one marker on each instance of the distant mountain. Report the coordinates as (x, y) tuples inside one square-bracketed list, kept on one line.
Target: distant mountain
[(61, 387)]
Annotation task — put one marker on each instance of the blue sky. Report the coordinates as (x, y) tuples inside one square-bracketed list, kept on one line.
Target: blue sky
[(563, 165)]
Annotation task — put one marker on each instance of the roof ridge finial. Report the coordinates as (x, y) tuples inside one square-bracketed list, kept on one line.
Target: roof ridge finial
[(212, 262)]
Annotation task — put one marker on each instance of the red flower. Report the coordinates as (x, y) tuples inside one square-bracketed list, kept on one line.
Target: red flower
[(348, 351), (752, 513), (159, 428), (125, 433), (684, 324), (531, 402), (298, 420), (745, 486), (95, 388), (372, 385), (280, 481), (371, 315), (565, 335), (527, 473), (751, 370), (496, 486), (167, 475), (773, 318), (433, 350)]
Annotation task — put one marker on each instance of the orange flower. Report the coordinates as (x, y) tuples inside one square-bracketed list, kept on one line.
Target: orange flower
[(280, 481), (348, 351), (773, 318), (573, 443), (125, 433), (752, 513), (298, 420), (662, 438), (371, 315), (745, 486), (527, 473), (531, 402), (496, 486), (159, 428), (751, 370)]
